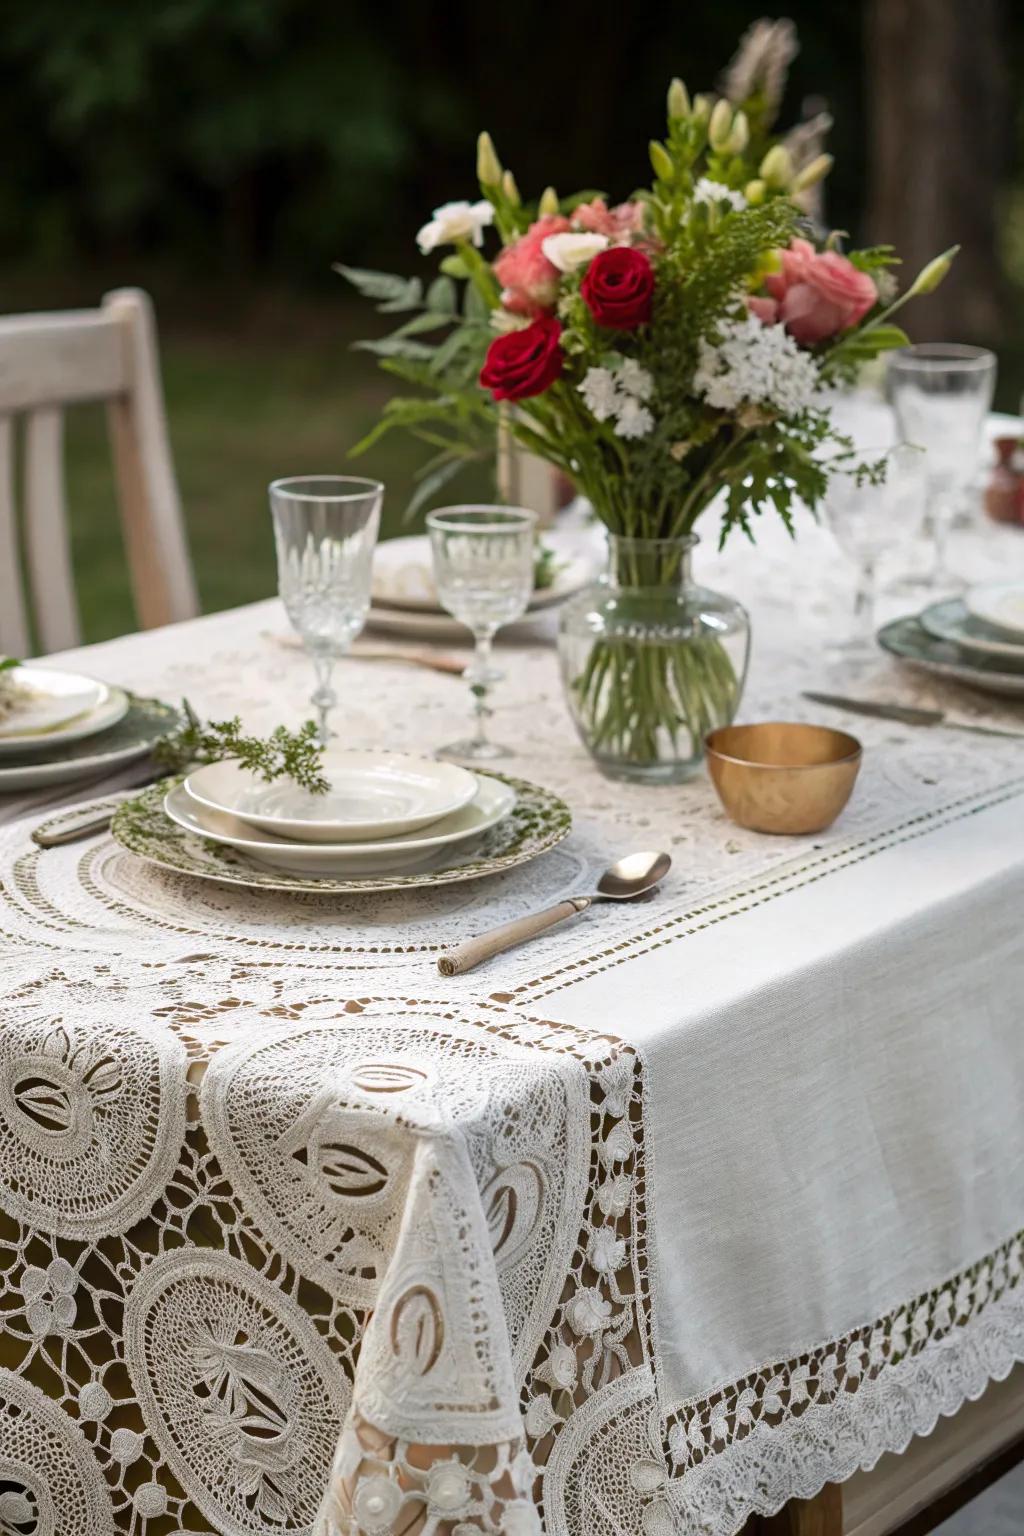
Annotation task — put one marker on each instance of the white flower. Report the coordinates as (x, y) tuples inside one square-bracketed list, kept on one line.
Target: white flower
[(614, 1195), (560, 1367), (708, 191), (636, 381), (376, 1504), (448, 1487), (616, 1147), (574, 250), (520, 1519), (758, 364), (600, 393), (503, 321), (588, 1311), (456, 221), (606, 1253), (635, 420)]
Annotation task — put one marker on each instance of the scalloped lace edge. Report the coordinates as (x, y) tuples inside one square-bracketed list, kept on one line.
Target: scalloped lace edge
[(829, 1443)]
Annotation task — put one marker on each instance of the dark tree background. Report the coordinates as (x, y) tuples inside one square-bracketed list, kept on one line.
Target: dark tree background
[(253, 140)]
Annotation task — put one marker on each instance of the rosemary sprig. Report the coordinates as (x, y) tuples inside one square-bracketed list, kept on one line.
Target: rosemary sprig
[(295, 755)]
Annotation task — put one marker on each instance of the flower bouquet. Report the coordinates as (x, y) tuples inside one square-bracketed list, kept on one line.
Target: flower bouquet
[(665, 352)]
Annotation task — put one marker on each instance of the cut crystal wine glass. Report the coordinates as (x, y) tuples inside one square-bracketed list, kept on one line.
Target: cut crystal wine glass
[(483, 566), (325, 530), (941, 393)]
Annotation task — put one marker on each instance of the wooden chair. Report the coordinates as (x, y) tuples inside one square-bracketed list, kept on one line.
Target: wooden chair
[(50, 361)]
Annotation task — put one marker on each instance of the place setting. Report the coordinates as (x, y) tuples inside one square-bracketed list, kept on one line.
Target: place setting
[(59, 727)]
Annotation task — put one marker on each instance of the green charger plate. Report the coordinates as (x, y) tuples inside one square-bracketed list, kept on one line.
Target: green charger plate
[(538, 821), (133, 736)]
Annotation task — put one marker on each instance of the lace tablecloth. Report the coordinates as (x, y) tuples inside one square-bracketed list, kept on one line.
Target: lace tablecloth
[(682, 1210)]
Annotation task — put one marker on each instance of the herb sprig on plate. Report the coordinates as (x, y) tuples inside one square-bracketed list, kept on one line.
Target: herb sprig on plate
[(295, 755)]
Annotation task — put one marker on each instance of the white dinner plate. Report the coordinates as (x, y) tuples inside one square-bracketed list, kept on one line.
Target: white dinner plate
[(47, 699), (493, 802), (999, 603), (372, 795), (112, 708), (950, 620), (403, 576)]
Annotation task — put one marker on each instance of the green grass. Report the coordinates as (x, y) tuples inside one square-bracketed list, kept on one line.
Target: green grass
[(244, 409)]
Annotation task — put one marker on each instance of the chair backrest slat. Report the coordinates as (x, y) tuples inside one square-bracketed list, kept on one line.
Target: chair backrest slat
[(47, 544), (13, 619), (60, 359), (51, 361)]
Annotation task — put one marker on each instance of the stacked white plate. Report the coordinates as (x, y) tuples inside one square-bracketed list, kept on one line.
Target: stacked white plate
[(977, 639), (57, 727), (383, 813), (404, 598)]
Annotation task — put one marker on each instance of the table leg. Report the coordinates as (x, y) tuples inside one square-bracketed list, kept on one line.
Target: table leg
[(820, 1516)]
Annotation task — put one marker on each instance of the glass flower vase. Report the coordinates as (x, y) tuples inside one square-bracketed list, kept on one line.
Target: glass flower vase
[(651, 662)]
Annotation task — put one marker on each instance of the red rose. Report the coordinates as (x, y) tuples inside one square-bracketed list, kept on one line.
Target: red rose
[(524, 363), (619, 288)]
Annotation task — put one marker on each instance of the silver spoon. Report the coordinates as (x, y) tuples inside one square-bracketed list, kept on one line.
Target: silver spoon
[(630, 877)]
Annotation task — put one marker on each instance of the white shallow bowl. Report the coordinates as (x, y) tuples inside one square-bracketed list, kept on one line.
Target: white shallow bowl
[(373, 795), (999, 603), (493, 802), (111, 707), (54, 698)]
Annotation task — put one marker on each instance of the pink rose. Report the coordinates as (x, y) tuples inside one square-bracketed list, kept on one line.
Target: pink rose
[(816, 294), (529, 281), (617, 223)]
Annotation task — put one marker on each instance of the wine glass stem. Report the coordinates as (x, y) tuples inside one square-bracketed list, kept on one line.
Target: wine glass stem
[(480, 677), (942, 519), (864, 602), (324, 697)]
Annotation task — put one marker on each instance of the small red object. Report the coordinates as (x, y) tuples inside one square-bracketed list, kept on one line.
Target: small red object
[(1004, 494)]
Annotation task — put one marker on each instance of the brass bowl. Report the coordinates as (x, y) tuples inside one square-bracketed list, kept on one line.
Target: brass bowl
[(781, 777)]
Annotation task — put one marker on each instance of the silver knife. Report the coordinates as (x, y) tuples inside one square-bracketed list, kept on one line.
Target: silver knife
[(906, 714), (89, 823)]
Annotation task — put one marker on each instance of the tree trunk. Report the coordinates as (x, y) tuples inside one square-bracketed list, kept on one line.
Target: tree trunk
[(936, 89)]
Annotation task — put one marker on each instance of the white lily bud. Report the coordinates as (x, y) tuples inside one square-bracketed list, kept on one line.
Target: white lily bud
[(720, 125), (930, 276), (678, 100), (511, 191), (488, 166), (739, 136), (755, 192), (777, 168), (548, 201), (661, 161), (816, 170)]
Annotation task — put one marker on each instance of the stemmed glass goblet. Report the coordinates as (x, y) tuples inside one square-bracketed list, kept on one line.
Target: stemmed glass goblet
[(325, 530), (869, 521), (941, 393), (483, 567)]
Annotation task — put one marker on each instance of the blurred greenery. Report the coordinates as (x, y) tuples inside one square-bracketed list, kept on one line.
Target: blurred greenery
[(223, 153)]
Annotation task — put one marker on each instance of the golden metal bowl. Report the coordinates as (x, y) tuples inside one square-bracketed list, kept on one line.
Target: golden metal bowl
[(781, 777)]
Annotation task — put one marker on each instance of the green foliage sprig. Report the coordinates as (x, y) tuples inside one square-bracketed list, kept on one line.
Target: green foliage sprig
[(284, 754)]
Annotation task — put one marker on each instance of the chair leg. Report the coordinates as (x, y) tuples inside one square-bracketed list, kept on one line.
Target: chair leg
[(820, 1516)]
